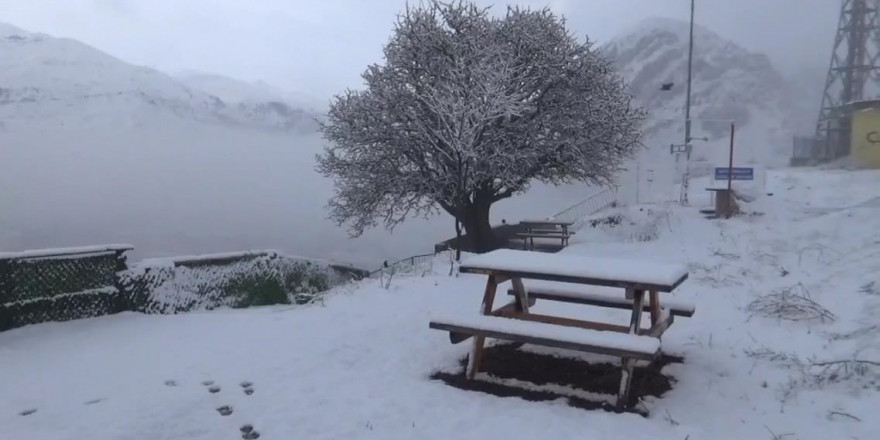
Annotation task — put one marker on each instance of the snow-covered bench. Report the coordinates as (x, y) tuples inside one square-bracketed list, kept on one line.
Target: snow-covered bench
[(528, 238), (611, 297), (550, 335), (515, 322), (544, 229)]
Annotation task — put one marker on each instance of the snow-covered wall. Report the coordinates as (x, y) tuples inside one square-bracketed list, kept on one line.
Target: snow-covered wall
[(74, 283), (183, 284)]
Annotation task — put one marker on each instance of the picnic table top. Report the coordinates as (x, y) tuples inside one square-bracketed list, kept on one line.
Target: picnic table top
[(545, 222), (600, 271)]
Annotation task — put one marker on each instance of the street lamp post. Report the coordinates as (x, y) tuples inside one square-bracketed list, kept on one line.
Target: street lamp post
[(687, 113)]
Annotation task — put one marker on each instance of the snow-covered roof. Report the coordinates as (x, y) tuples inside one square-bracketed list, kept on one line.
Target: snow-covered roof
[(863, 104)]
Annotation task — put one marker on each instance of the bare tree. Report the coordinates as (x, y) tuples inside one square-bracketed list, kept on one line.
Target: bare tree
[(469, 109)]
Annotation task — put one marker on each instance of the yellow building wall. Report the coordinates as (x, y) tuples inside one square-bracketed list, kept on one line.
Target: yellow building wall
[(865, 145)]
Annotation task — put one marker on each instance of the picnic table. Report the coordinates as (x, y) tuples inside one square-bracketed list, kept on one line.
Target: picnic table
[(593, 281), (544, 229)]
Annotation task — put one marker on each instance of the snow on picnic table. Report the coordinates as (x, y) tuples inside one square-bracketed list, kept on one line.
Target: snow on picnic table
[(545, 222), (626, 270), (598, 293), (616, 340), (358, 366)]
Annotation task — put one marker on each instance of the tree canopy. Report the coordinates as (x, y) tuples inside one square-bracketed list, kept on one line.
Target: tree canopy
[(468, 109)]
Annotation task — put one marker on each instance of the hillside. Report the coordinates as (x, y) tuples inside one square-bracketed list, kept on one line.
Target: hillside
[(64, 82), (730, 83), (259, 101), (98, 150), (783, 344), (234, 91)]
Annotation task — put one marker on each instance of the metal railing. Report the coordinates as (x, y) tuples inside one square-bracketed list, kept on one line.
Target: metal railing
[(405, 264), (575, 214), (587, 207)]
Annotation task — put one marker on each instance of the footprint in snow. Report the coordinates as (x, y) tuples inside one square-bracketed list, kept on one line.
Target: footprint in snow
[(248, 387), (211, 387), (28, 412), (225, 410), (171, 383), (94, 401), (248, 433)]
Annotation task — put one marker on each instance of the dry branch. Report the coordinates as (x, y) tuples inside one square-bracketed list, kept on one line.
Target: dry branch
[(792, 304)]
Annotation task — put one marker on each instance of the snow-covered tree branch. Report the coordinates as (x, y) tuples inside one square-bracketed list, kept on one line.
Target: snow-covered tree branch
[(468, 109)]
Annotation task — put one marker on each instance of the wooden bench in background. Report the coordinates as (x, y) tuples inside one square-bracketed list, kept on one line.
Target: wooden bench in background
[(544, 229)]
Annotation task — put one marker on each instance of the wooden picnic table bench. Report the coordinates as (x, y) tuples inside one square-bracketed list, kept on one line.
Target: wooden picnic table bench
[(577, 279), (601, 296), (544, 229)]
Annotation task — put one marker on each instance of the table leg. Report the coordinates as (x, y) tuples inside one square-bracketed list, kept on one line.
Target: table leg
[(655, 307), (565, 235), (486, 309), (627, 364), (522, 302), (522, 295)]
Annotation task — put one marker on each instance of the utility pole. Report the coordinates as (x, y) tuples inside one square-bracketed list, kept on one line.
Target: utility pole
[(638, 180), (730, 172), (683, 199)]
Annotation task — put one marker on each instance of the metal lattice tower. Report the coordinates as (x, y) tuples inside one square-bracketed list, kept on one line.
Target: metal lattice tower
[(854, 73)]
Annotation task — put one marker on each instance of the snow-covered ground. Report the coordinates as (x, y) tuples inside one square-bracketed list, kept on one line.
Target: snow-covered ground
[(357, 366)]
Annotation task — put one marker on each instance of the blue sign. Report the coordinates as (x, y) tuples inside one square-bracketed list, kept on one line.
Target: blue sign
[(737, 173)]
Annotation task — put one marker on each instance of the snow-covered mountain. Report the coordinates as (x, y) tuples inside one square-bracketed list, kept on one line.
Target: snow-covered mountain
[(233, 90), (730, 83), (808, 83), (95, 150), (258, 100), (62, 81)]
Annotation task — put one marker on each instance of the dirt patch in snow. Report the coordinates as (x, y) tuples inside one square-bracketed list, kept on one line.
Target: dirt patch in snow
[(506, 362)]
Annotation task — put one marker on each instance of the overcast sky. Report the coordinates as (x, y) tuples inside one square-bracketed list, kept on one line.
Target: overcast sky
[(320, 47)]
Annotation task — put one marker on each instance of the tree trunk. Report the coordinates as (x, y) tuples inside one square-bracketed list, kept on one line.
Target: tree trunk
[(476, 224)]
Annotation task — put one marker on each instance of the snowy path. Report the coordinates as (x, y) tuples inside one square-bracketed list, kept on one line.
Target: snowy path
[(358, 366)]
